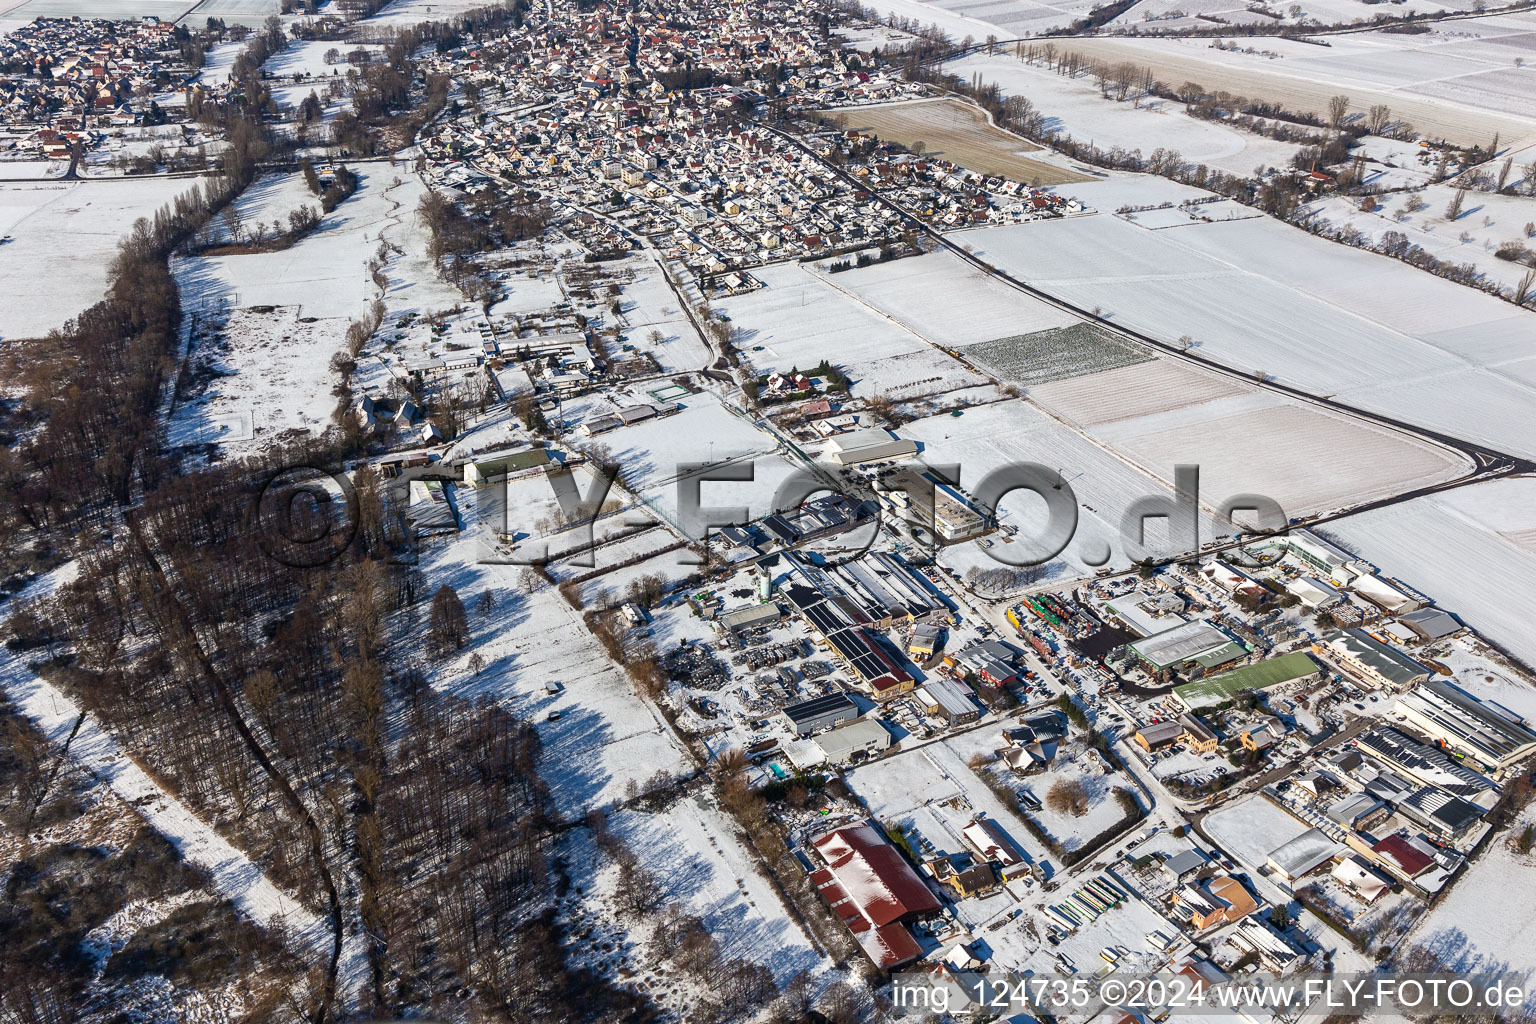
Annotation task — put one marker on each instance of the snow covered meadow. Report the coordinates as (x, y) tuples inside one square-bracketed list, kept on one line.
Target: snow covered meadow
[(1265, 298), (59, 240), (1077, 107)]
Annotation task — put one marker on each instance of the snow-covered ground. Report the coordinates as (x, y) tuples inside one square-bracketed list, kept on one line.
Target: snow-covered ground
[(234, 12), (1465, 93), (274, 365), (1251, 829), (1078, 108), (165, 10), (268, 201), (1485, 222), (1263, 297), (1472, 549), (928, 295), (1481, 926), (604, 737), (800, 318), (230, 872), (1015, 433), (62, 238), (694, 850)]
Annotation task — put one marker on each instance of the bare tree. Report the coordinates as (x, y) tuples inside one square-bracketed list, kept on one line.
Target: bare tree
[(1338, 109), (1379, 117)]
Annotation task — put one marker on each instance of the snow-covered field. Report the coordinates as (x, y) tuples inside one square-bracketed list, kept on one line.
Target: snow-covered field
[(413, 12), (326, 272), (1482, 924), (604, 737), (1014, 433), (1409, 73), (649, 304), (268, 201), (954, 23), (62, 238), (1252, 828), (275, 366), (276, 378), (1431, 542), (949, 303), (1263, 297), (1155, 15), (165, 10), (1078, 108), (1306, 458), (800, 318), (234, 12), (1485, 222)]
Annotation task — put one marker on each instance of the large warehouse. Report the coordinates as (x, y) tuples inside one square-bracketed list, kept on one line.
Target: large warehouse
[(1452, 716), (863, 447), (1189, 643), (1371, 661)]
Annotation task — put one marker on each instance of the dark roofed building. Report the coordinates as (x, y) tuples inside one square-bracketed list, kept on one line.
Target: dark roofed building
[(818, 713)]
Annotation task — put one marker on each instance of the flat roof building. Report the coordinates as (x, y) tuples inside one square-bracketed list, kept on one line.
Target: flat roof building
[(1466, 725), (862, 447), (856, 741), (1424, 764), (752, 616), (808, 716), (1189, 643), (1372, 661)]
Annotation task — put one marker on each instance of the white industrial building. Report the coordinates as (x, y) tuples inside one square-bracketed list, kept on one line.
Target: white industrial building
[(1463, 723), (863, 447)]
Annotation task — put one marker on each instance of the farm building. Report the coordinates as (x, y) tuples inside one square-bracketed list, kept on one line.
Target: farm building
[(1431, 623), (873, 445), (1303, 855), (482, 470), (872, 888), (1450, 715)]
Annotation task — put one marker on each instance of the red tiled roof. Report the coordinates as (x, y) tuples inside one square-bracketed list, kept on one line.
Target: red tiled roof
[(873, 876), (1408, 858), (890, 946)]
